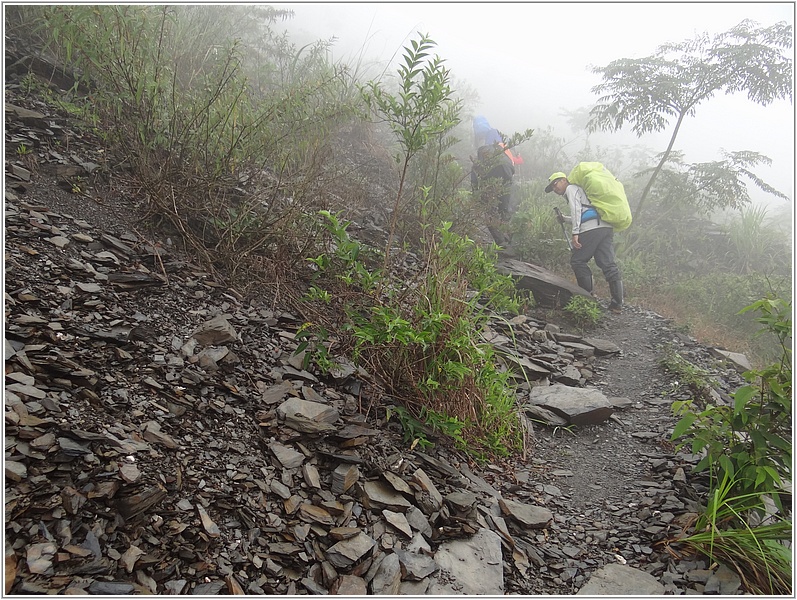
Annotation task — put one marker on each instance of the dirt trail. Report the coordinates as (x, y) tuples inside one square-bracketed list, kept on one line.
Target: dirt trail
[(608, 483), (604, 459)]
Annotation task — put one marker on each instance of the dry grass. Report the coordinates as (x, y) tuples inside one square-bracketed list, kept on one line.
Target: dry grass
[(700, 326)]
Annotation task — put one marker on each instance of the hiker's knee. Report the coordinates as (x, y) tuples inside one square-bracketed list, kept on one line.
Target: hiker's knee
[(580, 267), (579, 259), (611, 273)]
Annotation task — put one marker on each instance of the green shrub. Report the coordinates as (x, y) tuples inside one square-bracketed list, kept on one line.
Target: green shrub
[(747, 450), (722, 296), (227, 136), (440, 197), (537, 236), (422, 341), (689, 377), (425, 345), (422, 110), (759, 551), (586, 312), (753, 246)]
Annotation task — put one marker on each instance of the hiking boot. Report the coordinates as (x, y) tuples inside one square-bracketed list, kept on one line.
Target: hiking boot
[(616, 289)]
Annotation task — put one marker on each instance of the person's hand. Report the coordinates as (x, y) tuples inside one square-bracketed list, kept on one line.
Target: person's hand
[(560, 217), (576, 243)]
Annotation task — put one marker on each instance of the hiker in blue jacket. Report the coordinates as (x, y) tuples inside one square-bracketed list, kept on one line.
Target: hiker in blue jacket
[(483, 134), (592, 238)]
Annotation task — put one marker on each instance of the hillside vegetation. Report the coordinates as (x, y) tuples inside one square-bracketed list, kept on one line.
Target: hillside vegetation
[(238, 138), (257, 154), (263, 160)]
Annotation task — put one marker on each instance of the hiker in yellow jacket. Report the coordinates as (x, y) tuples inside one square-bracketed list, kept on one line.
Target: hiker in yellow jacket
[(592, 238)]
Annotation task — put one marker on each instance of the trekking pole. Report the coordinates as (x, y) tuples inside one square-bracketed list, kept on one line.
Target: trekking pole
[(567, 237)]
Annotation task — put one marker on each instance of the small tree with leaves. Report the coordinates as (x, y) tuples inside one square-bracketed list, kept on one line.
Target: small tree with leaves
[(648, 93), (424, 108), (698, 189)]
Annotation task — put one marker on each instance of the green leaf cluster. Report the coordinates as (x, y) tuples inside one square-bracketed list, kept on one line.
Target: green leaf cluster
[(422, 340), (423, 106), (314, 342), (747, 449), (414, 431), (748, 442), (585, 311)]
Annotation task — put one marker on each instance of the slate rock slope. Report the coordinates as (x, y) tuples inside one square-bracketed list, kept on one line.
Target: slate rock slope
[(162, 437)]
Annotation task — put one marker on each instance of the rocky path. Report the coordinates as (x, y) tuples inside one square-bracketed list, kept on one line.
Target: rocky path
[(619, 488), (603, 457), (161, 436)]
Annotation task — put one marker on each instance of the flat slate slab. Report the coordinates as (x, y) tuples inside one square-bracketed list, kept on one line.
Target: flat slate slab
[(548, 288), (620, 580), (579, 406), (739, 361), (473, 566)]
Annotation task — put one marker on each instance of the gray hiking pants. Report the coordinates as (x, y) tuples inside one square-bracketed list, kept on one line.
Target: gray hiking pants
[(597, 244)]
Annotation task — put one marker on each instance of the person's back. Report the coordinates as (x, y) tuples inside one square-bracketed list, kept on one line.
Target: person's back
[(484, 135), (493, 163), (491, 178)]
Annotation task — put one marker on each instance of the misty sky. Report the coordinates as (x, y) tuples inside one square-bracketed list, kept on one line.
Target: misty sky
[(529, 62)]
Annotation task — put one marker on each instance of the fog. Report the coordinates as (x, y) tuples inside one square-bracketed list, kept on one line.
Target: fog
[(530, 64)]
